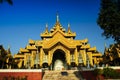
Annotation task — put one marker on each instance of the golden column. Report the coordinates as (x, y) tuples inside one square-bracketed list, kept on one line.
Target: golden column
[(49, 58), (68, 57), (41, 56), (76, 56), (83, 53), (90, 58)]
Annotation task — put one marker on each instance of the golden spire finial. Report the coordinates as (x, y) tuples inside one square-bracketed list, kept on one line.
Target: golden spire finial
[(68, 25), (46, 25), (69, 31), (57, 16), (46, 30)]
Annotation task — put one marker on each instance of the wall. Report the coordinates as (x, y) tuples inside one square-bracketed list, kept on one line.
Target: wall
[(20, 74)]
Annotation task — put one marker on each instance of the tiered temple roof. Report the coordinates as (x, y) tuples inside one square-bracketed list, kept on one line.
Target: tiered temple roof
[(60, 39)]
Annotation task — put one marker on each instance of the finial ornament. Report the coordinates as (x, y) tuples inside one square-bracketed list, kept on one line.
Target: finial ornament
[(46, 30), (57, 17), (68, 25), (46, 25), (69, 31)]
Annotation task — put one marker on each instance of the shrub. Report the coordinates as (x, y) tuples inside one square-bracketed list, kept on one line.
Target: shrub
[(98, 71), (107, 73), (110, 73)]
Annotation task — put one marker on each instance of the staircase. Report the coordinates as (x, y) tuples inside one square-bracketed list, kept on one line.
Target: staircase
[(62, 75)]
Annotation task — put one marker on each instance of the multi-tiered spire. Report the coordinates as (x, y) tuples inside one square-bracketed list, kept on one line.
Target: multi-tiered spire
[(58, 28)]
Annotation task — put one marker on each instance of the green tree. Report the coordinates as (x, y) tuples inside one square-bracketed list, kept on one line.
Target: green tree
[(109, 19), (9, 1)]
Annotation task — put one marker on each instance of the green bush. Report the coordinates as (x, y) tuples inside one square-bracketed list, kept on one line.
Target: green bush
[(107, 73), (98, 71), (110, 73)]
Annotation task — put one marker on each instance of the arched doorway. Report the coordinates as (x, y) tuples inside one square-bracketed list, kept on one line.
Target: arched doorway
[(59, 60)]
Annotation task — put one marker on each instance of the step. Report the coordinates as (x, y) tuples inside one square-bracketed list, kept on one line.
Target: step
[(61, 75)]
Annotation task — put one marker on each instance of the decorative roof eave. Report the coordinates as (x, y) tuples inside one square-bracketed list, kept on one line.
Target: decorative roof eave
[(52, 34), (31, 41), (49, 47), (84, 41), (63, 42), (87, 46), (31, 47), (24, 50), (92, 49), (59, 38), (72, 47), (77, 42), (38, 43), (96, 54), (45, 35), (19, 56), (70, 35)]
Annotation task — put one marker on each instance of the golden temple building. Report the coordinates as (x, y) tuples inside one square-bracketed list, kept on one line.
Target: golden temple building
[(57, 50)]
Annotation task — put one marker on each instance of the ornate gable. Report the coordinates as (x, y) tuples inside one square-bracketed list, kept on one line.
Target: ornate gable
[(57, 28)]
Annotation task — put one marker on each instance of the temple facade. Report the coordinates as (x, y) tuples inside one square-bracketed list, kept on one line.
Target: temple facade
[(57, 50)]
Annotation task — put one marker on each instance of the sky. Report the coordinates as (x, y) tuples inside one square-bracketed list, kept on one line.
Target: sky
[(26, 19)]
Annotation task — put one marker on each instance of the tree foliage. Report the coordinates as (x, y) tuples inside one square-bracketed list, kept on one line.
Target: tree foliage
[(109, 19), (111, 55), (9, 1)]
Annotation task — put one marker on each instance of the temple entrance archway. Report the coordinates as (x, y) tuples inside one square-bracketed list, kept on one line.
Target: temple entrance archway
[(59, 60)]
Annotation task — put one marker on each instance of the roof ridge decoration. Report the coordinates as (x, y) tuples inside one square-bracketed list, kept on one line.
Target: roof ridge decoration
[(69, 31), (57, 19), (57, 28), (57, 25), (46, 30)]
